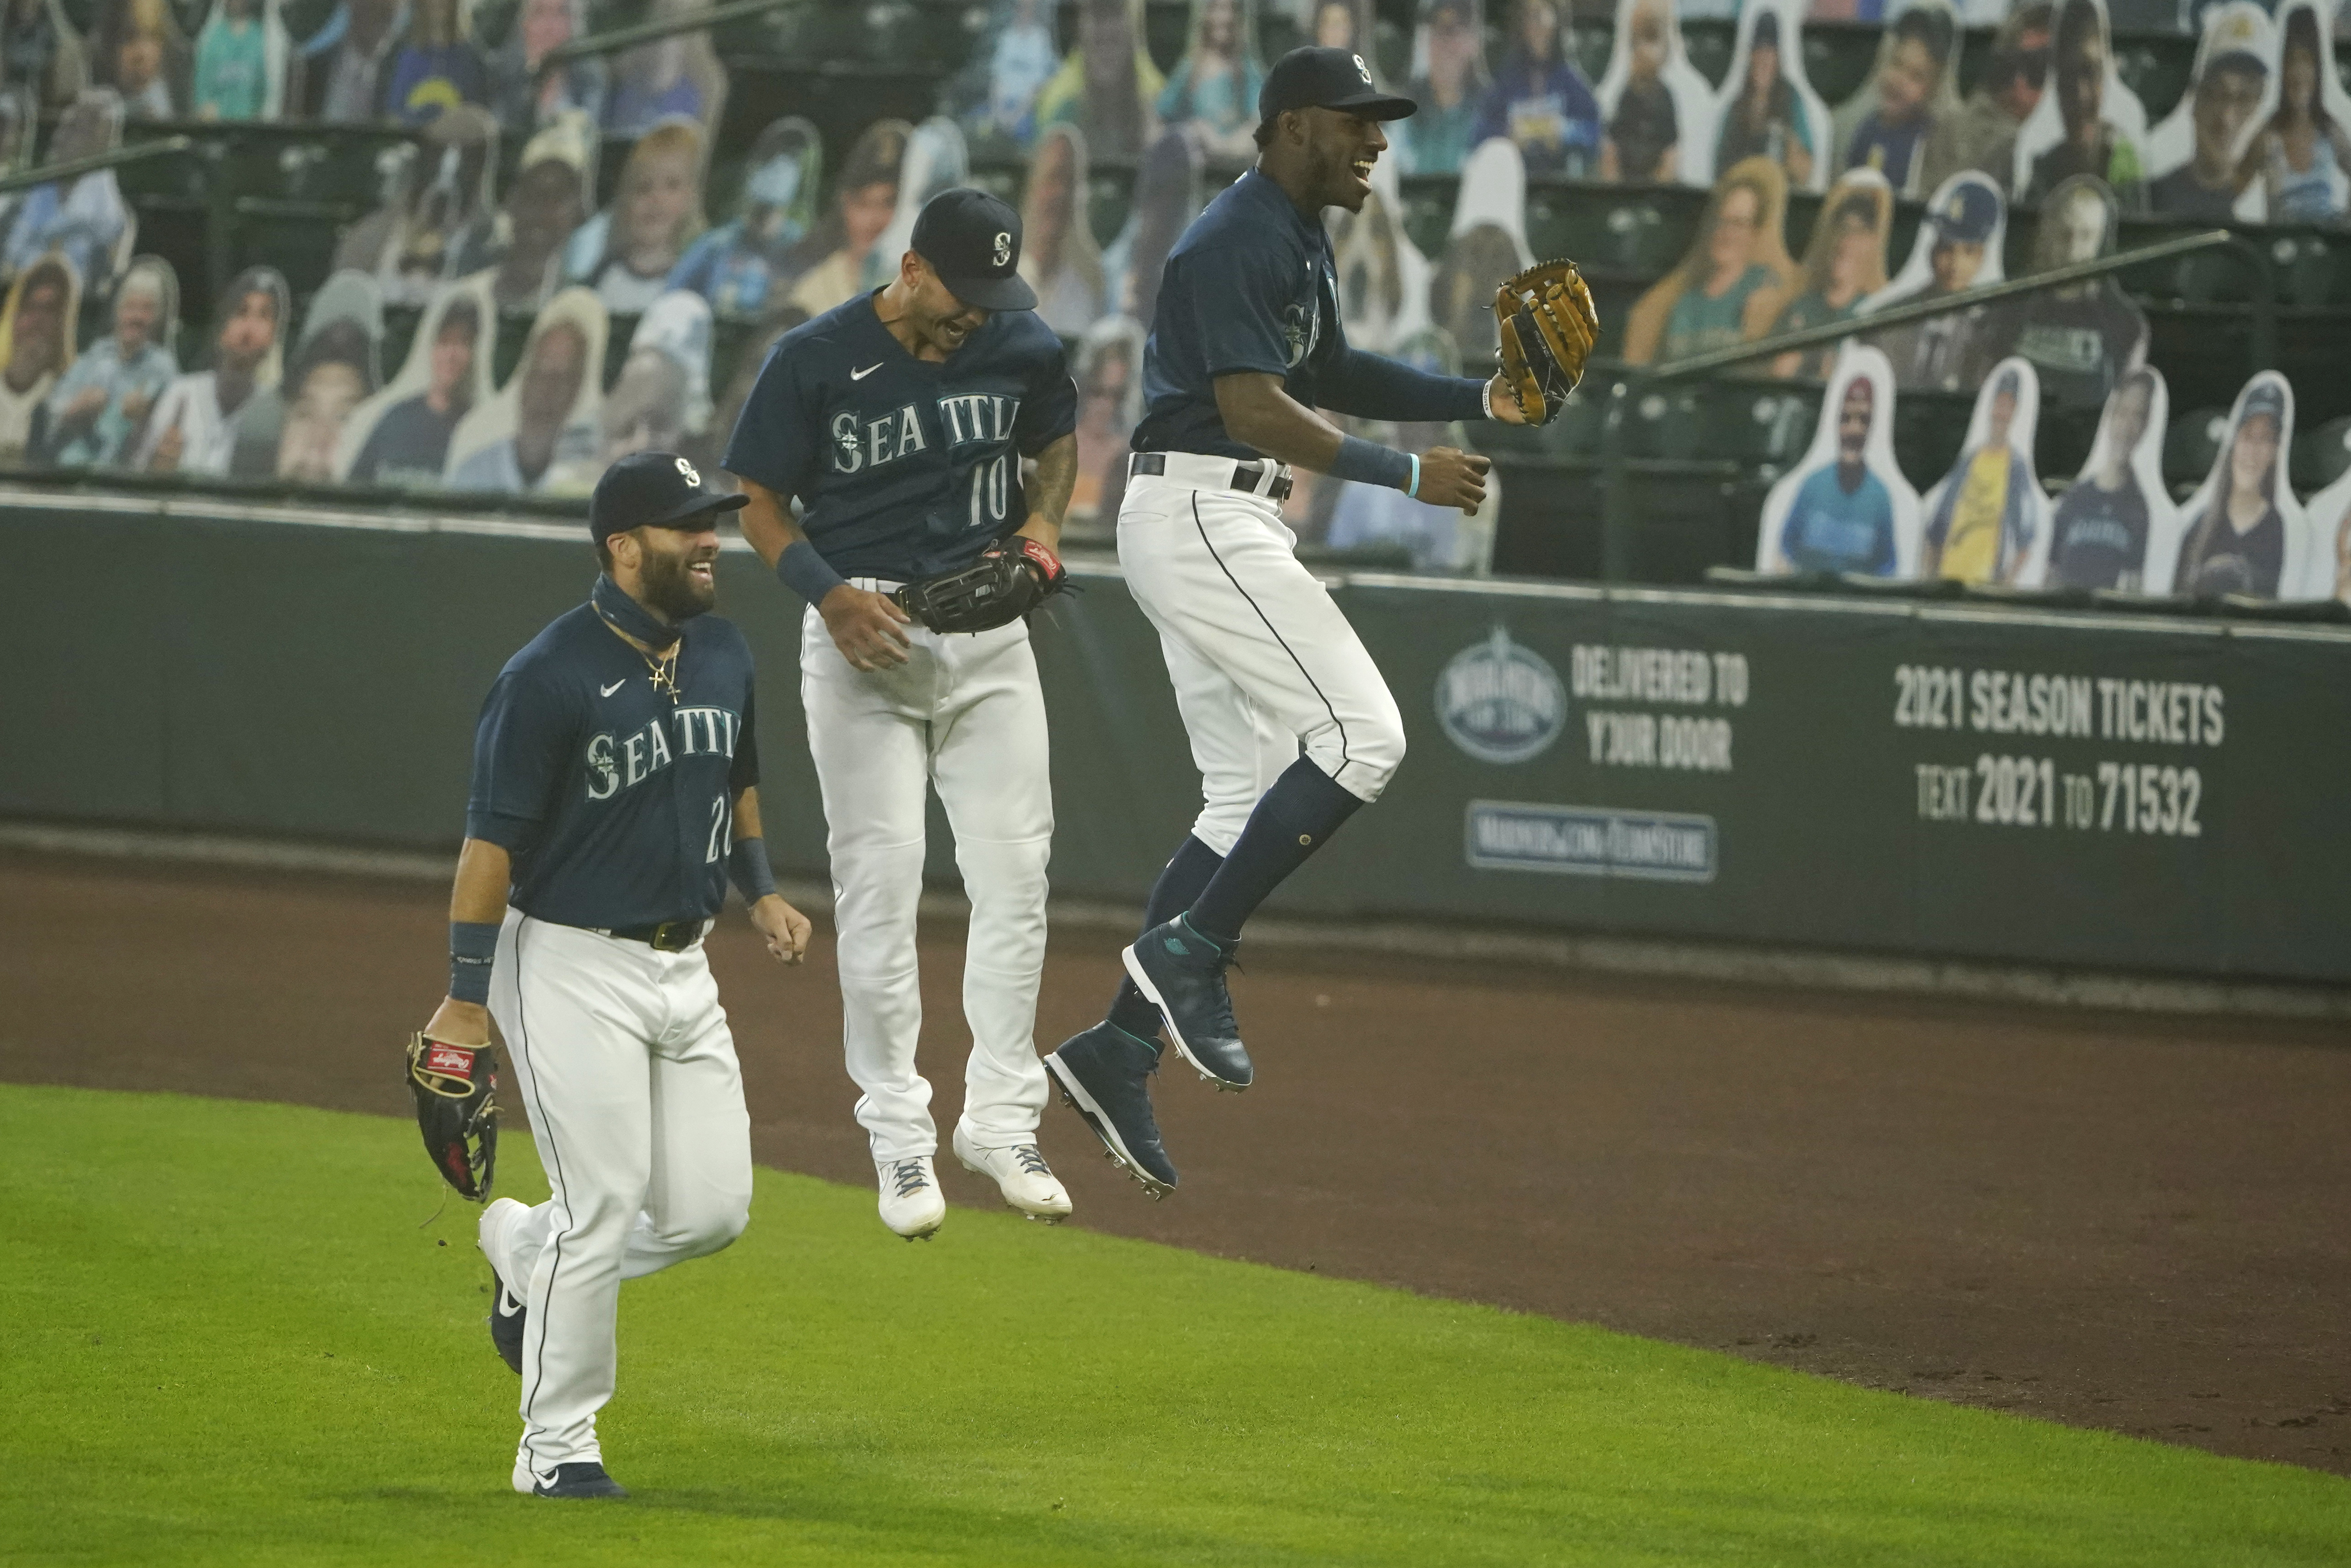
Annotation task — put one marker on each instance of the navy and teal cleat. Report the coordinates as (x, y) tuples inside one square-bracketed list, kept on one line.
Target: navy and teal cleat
[(1183, 973), (582, 1479), (1105, 1074)]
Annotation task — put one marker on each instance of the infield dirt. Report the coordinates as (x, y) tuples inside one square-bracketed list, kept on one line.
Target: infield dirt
[(2109, 1220)]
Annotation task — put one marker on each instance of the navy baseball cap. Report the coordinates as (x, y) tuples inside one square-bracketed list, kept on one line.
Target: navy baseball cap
[(973, 242), (1968, 214), (1316, 78), (654, 490)]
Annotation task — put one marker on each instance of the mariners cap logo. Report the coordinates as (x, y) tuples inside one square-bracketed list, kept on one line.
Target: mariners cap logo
[(1362, 70), (1003, 249), (686, 469)]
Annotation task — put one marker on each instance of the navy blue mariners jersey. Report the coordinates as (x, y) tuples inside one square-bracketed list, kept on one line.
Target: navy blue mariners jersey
[(1251, 287), (905, 468), (615, 801)]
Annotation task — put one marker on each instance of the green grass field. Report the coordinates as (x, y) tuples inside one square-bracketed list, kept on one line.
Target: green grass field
[(233, 1332)]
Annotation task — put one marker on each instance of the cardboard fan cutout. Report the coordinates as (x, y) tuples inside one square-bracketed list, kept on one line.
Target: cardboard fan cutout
[(1987, 519), (1766, 109), (199, 423), (1489, 243), (36, 347), (1912, 91), (1846, 506), (1212, 92), (1109, 374), (522, 254), (1168, 194), (2243, 532), (2081, 337), (2330, 524), (1656, 109), (1059, 257), (537, 434), (738, 266), (661, 403), (2193, 156), (627, 252), (1383, 277), (2101, 527), (829, 265), (1733, 281), (100, 404), (2299, 161), (1958, 247), (401, 436), (1449, 79), (935, 161), (1844, 265), (1538, 97), (2087, 122), (87, 221), (337, 362)]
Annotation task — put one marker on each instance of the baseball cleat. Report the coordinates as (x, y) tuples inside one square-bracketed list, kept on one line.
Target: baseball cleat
[(1104, 1075), (507, 1313), (581, 1479), (1021, 1174), (1183, 973), (912, 1204)]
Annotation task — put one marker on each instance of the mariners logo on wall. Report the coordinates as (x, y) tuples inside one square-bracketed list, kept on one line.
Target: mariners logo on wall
[(1499, 702)]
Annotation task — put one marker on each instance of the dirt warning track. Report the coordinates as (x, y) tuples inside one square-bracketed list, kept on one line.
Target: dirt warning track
[(2103, 1219)]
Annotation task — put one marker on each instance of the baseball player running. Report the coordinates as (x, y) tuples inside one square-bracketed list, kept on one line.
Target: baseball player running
[(615, 793), (1245, 345), (900, 420)]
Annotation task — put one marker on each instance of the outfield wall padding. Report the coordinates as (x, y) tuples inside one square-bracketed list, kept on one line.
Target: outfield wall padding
[(1931, 779)]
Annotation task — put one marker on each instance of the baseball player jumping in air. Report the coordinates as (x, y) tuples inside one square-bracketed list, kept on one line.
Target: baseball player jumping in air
[(615, 793), (900, 420), (1245, 345)]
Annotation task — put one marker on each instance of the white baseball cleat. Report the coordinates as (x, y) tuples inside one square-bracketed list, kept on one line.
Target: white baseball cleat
[(1021, 1174), (912, 1204)]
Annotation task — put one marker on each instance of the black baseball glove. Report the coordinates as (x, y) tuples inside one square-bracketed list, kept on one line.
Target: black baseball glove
[(455, 1087), (1014, 577), (1547, 324)]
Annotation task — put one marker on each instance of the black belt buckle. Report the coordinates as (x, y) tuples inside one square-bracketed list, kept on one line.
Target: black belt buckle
[(675, 935)]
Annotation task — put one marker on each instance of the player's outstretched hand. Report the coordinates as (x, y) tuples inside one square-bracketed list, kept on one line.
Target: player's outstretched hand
[(1452, 477), (786, 928), (460, 1023), (1505, 401), (865, 627)]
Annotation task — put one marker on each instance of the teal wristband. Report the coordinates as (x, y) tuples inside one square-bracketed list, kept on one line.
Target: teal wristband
[(1413, 489)]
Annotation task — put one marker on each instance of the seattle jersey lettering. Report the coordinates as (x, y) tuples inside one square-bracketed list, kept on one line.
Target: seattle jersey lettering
[(625, 762), (859, 442)]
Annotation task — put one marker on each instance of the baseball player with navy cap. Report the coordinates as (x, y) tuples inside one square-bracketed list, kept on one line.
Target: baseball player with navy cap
[(1245, 347), (900, 421), (615, 794)]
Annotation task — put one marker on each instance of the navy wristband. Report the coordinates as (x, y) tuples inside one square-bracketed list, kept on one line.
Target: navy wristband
[(473, 950), (748, 869), (1368, 463), (806, 572)]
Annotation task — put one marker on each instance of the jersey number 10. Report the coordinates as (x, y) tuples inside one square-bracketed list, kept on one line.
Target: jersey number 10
[(991, 487)]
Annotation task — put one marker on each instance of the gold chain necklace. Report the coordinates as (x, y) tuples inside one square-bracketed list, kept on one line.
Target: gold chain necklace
[(663, 671)]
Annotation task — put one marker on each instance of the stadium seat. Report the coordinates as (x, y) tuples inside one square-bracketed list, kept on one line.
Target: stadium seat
[(2193, 444), (2321, 456)]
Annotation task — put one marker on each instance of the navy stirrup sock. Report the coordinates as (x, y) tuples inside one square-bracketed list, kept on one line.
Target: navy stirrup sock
[(1303, 808), (1179, 884)]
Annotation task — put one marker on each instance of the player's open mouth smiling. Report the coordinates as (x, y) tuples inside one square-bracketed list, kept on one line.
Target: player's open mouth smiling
[(1362, 169), (704, 571)]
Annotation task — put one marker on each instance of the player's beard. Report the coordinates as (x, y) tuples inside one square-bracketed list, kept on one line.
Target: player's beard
[(671, 591)]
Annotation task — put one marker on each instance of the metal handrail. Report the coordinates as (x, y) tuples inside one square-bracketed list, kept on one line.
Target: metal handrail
[(620, 38), (1618, 523), (1920, 311), (76, 168)]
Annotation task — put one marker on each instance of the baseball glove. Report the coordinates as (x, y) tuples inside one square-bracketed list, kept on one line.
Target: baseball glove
[(1547, 324), (1011, 578), (455, 1087)]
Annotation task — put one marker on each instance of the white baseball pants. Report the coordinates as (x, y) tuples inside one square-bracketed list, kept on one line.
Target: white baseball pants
[(1263, 662), (628, 1073), (965, 714)]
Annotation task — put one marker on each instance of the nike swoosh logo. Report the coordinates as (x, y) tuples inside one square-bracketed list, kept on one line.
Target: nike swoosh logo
[(616, 686), (503, 1297), (549, 1479), (860, 375)]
